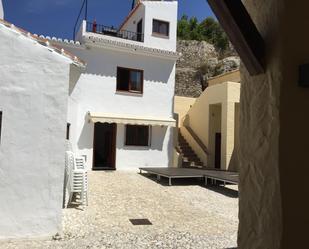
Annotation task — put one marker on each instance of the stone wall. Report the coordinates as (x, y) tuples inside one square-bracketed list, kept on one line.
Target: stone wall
[(198, 62), (194, 53), (188, 83), (189, 80)]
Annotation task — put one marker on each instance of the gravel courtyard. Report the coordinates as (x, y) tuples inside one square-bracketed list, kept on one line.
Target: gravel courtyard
[(185, 215)]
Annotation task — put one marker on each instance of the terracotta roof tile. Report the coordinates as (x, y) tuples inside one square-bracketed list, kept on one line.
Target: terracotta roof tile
[(45, 43)]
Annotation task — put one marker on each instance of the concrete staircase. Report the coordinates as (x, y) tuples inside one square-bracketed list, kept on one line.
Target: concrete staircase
[(189, 158)]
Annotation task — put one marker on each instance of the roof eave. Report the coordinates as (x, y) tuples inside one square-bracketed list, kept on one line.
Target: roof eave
[(44, 42), (127, 47)]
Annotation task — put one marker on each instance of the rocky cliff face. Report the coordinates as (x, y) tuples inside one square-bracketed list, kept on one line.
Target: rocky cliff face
[(200, 61)]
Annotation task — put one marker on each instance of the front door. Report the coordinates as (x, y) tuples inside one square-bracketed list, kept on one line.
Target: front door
[(218, 151), (104, 146), (139, 31)]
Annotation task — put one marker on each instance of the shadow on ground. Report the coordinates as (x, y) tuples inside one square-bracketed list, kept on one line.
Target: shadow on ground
[(76, 206), (224, 191), (175, 182), (193, 182)]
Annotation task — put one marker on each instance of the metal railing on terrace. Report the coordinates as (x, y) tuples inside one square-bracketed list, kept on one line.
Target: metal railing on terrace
[(111, 31)]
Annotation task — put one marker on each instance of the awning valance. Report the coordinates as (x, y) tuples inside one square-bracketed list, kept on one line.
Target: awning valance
[(130, 119)]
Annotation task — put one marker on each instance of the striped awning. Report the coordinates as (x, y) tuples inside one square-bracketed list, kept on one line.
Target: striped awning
[(130, 119)]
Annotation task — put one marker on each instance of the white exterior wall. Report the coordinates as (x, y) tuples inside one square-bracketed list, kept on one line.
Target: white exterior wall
[(160, 10), (33, 98), (159, 154), (131, 24), (1, 10), (96, 92), (164, 11), (148, 10)]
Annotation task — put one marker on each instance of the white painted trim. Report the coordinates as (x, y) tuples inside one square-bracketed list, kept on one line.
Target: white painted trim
[(105, 42), (130, 119)]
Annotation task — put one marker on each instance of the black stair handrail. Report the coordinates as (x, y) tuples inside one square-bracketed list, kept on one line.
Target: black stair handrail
[(198, 140)]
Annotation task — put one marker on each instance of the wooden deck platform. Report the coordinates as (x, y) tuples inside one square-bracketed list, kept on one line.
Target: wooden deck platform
[(174, 173)]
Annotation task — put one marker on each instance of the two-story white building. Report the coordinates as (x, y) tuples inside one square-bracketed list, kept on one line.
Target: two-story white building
[(121, 109)]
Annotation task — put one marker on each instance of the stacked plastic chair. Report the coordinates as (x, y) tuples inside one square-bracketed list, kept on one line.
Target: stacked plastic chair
[(76, 179), (68, 146), (80, 180)]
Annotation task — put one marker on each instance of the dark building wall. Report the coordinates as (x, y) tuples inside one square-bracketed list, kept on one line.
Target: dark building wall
[(274, 134)]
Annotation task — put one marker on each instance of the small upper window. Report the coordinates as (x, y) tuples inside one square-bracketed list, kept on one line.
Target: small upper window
[(137, 135), (160, 27), (130, 80)]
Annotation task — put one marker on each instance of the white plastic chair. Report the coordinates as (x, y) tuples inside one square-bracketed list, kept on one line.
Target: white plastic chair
[(68, 146), (77, 178), (80, 179)]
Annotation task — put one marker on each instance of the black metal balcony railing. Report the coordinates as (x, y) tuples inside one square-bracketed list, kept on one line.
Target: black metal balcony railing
[(111, 31)]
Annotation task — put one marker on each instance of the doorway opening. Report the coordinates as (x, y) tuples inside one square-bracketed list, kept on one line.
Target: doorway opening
[(215, 135), (218, 150), (104, 146), (139, 30)]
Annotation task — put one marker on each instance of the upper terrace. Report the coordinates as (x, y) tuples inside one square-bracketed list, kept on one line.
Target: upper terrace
[(93, 27), (150, 23)]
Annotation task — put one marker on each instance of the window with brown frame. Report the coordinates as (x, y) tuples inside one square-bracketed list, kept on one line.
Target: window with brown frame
[(137, 135), (160, 27), (130, 80)]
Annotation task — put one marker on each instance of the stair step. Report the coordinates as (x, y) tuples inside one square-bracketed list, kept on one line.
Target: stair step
[(196, 160), (186, 147), (182, 140), (193, 167), (189, 157), (188, 152), (183, 143), (191, 164)]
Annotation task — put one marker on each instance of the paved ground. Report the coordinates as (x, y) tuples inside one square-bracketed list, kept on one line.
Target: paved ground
[(184, 215)]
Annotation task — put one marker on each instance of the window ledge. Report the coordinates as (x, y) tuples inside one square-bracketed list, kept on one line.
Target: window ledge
[(125, 93), (158, 35), (137, 147)]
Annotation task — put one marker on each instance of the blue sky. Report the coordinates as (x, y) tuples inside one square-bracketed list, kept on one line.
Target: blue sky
[(57, 17)]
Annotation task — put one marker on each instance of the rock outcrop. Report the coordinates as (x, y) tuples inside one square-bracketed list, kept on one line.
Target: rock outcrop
[(200, 61), (194, 53)]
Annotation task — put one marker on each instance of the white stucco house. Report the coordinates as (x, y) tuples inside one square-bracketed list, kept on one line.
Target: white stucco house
[(1, 11), (34, 86), (121, 109)]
